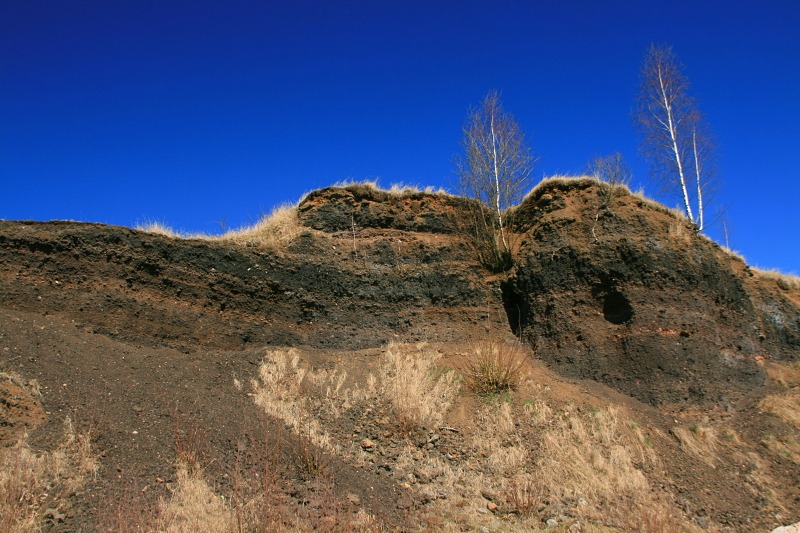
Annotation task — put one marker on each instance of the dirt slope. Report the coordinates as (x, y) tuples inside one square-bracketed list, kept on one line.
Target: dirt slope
[(132, 334)]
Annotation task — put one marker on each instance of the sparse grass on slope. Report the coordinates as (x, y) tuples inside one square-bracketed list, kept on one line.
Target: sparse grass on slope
[(30, 481)]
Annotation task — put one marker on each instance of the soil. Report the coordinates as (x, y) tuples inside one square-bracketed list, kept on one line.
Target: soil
[(138, 336)]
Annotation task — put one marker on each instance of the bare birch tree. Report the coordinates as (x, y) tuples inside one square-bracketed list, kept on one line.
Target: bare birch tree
[(495, 168), (612, 170), (673, 140)]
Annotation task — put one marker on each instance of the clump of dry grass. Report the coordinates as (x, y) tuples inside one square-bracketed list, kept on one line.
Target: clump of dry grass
[(29, 480), (786, 282), (275, 230), (194, 506), (785, 406), (493, 367), (419, 393), (700, 441), (279, 391), (395, 190), (159, 228)]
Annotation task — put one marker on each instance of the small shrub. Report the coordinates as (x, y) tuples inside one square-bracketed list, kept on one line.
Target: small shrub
[(524, 495), (494, 368)]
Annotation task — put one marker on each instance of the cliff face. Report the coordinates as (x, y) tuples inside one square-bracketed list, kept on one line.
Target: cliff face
[(627, 294), (630, 296), (365, 268)]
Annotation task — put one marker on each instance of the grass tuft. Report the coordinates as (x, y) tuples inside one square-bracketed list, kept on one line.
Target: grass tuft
[(418, 392), (493, 368)]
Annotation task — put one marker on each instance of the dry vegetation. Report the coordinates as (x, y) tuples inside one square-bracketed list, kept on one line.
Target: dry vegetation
[(395, 190), (519, 460), (492, 367), (785, 281), (34, 484)]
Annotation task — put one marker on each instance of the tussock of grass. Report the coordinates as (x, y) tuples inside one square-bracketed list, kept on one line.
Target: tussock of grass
[(159, 228), (31, 480), (493, 367), (419, 393)]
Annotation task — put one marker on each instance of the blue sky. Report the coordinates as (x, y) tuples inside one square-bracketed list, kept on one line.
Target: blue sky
[(207, 114)]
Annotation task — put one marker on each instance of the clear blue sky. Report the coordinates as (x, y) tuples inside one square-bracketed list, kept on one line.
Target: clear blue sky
[(202, 113)]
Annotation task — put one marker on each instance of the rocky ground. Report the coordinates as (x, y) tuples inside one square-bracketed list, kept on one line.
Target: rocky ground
[(658, 386)]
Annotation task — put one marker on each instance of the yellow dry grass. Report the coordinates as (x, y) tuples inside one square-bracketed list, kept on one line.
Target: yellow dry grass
[(159, 228), (785, 281), (700, 441), (785, 406), (395, 190), (279, 392), (194, 506), (30, 480), (588, 456), (420, 394), (273, 231)]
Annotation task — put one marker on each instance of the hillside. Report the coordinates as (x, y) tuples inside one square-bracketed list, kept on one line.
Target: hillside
[(309, 376)]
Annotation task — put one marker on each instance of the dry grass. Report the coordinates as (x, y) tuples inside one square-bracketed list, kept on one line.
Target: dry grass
[(30, 385), (419, 393), (733, 254), (30, 480), (159, 228), (785, 406), (279, 391), (395, 190), (587, 456), (786, 282), (493, 367), (788, 446), (273, 231), (700, 441), (194, 506)]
